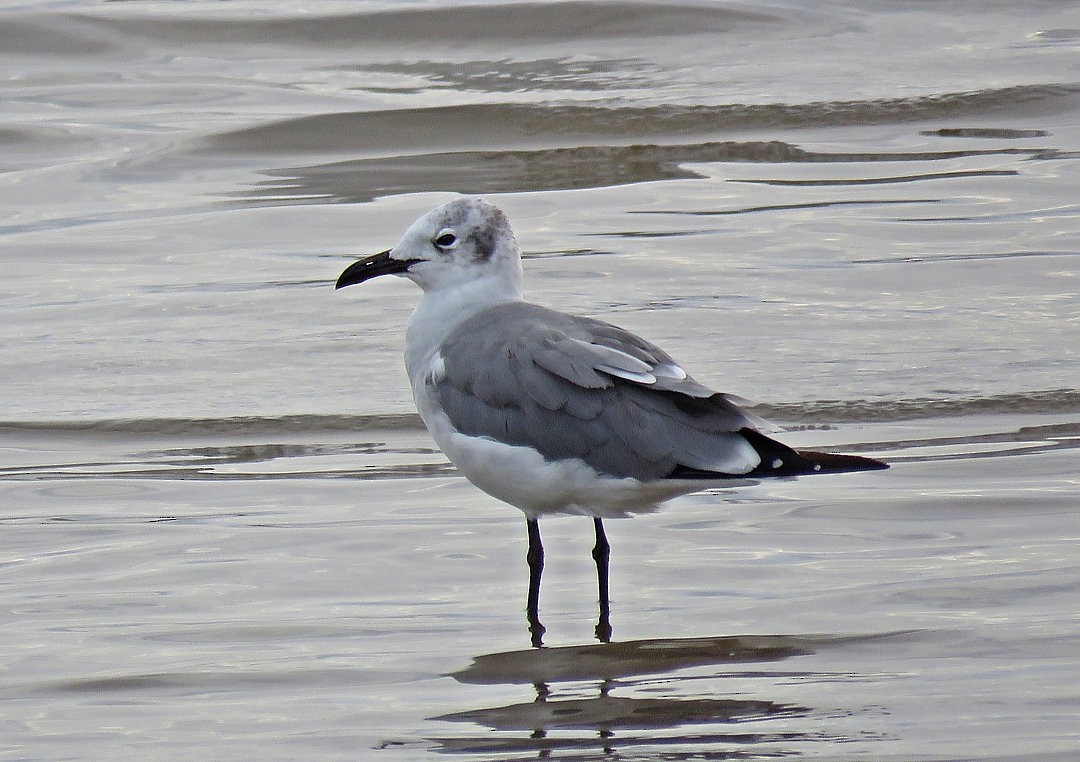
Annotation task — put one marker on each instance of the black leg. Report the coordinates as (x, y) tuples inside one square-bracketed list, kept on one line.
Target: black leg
[(535, 558), (600, 553)]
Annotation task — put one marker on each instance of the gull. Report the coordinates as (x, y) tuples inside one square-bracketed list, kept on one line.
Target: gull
[(556, 413)]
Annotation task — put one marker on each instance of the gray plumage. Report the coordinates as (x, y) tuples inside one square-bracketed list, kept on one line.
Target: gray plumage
[(574, 387)]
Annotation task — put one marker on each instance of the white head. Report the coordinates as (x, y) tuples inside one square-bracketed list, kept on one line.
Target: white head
[(464, 242)]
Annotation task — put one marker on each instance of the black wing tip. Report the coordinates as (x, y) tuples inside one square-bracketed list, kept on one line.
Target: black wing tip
[(777, 459), (832, 463)]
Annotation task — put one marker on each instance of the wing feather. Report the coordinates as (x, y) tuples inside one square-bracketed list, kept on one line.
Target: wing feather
[(577, 387)]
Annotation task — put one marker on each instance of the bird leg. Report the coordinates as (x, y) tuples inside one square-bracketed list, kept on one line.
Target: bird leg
[(535, 557), (600, 553)]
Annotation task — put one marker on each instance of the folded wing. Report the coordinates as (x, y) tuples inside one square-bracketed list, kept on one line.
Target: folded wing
[(573, 387)]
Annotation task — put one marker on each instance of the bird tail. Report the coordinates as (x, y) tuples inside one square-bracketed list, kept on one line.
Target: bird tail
[(777, 459)]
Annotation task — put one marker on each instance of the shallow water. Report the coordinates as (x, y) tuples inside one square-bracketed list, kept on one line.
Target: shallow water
[(226, 533)]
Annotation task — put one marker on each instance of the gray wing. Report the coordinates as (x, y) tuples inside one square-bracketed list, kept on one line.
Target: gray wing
[(573, 387)]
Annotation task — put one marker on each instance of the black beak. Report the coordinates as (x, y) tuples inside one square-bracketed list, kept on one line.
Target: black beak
[(372, 267)]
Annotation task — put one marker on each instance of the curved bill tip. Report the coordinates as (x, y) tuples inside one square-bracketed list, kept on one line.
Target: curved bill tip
[(372, 267)]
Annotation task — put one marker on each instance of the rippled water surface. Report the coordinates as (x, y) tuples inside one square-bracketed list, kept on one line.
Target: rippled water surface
[(226, 534)]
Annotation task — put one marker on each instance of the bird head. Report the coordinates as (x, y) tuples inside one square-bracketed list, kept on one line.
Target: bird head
[(462, 241)]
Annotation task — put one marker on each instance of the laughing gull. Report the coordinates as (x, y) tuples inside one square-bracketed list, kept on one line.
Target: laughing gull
[(554, 413)]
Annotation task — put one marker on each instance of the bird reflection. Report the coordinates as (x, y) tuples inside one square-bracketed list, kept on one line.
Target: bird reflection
[(659, 704)]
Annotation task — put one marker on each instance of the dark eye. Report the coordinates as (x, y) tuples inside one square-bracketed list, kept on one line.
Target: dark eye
[(445, 240)]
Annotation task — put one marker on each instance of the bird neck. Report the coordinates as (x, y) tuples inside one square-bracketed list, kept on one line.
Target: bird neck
[(440, 311)]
